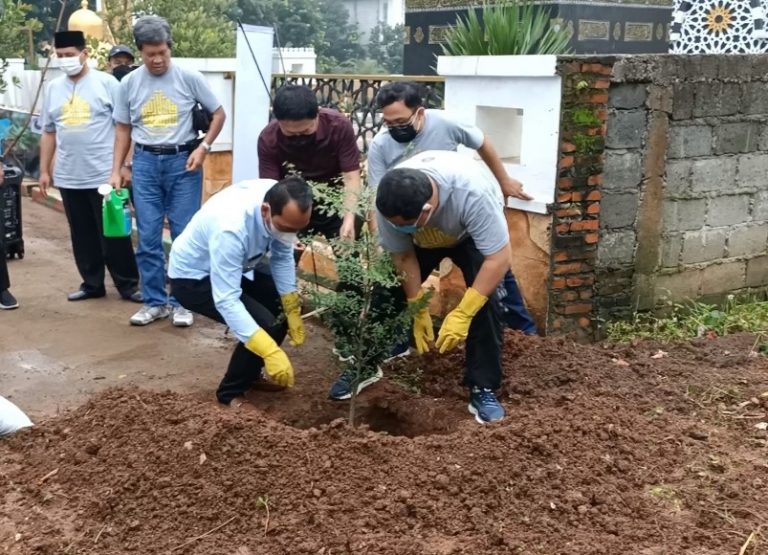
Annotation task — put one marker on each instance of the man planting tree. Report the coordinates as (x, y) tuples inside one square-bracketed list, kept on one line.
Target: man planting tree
[(234, 263), (439, 205)]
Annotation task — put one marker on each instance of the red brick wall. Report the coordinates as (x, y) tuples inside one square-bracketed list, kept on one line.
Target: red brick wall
[(576, 222)]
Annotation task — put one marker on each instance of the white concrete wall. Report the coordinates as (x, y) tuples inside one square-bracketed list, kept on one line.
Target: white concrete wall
[(294, 60), (519, 110)]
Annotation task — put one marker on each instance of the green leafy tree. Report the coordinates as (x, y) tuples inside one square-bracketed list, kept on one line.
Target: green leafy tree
[(362, 317), (299, 23), (341, 41), (118, 14), (46, 13), (14, 28), (200, 28), (322, 24), (358, 66), (385, 46), (510, 27)]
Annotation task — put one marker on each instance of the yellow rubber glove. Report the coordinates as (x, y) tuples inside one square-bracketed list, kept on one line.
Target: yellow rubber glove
[(455, 327), (423, 333), (292, 309), (276, 363)]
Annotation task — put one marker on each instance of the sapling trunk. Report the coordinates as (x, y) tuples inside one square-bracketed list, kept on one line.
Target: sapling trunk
[(360, 360)]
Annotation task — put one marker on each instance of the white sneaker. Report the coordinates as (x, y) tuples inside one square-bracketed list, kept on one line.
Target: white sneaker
[(181, 317), (149, 314)]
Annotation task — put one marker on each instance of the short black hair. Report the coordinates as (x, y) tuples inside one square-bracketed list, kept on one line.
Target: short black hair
[(403, 192), (286, 190), (399, 91), (294, 103)]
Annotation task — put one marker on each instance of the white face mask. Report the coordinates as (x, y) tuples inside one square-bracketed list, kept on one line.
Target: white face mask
[(285, 237), (71, 66)]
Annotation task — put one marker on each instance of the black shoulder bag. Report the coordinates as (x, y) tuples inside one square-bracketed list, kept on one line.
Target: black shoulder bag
[(201, 118)]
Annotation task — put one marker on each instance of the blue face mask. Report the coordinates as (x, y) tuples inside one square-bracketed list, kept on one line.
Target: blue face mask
[(408, 229)]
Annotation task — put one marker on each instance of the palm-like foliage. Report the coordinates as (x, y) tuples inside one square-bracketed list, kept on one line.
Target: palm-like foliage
[(507, 28)]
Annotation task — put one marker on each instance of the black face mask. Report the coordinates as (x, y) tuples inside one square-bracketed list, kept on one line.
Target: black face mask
[(301, 140), (122, 70), (403, 133)]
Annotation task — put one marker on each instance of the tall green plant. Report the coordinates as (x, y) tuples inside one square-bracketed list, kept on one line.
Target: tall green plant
[(14, 26), (361, 315), (508, 28)]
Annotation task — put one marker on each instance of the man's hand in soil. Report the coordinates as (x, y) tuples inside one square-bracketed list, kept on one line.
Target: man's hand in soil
[(292, 308), (455, 327), (423, 333), (276, 363)]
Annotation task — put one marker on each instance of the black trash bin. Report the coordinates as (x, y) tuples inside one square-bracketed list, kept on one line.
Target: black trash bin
[(10, 212)]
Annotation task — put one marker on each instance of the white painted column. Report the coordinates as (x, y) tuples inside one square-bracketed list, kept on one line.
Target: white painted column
[(252, 99)]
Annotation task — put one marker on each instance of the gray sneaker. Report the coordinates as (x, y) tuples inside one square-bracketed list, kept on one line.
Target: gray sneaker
[(149, 314), (181, 317)]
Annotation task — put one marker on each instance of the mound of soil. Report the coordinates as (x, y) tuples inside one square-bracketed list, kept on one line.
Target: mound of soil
[(606, 450)]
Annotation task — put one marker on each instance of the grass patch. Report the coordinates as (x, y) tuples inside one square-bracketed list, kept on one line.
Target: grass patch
[(694, 319), (667, 496)]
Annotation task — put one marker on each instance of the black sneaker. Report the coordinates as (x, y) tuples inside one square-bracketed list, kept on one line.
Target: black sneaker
[(342, 387), (8, 301)]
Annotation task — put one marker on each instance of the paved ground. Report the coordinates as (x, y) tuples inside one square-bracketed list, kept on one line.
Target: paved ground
[(54, 353)]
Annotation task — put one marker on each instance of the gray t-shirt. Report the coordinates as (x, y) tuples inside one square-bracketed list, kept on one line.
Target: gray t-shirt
[(440, 132), (80, 113), (159, 107), (468, 206)]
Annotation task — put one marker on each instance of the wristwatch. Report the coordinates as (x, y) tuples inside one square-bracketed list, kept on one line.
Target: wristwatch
[(128, 165), (205, 146)]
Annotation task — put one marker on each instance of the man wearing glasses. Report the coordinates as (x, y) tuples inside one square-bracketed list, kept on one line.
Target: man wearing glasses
[(409, 129)]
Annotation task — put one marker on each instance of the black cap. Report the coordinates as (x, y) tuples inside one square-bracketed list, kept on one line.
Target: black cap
[(120, 49), (65, 39)]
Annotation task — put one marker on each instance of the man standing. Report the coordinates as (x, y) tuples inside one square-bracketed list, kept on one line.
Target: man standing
[(320, 145), (78, 129), (120, 55), (154, 109), (248, 227), (409, 128), (7, 301), (439, 205)]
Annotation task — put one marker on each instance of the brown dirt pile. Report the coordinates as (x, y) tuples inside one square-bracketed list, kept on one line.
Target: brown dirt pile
[(604, 451)]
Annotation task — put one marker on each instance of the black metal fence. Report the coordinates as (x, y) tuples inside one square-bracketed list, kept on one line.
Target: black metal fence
[(355, 96)]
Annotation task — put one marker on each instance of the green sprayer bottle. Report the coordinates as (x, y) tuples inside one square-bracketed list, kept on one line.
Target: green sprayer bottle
[(116, 212)]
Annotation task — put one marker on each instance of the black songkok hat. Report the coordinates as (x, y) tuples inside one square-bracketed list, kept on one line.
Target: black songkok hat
[(64, 39)]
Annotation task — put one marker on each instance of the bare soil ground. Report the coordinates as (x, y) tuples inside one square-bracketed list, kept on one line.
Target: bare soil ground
[(606, 449)]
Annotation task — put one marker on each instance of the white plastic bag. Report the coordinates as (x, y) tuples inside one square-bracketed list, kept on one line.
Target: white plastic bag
[(11, 417)]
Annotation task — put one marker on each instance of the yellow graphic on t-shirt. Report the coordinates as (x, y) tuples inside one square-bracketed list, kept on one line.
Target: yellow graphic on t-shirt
[(75, 112), (433, 238), (159, 112)]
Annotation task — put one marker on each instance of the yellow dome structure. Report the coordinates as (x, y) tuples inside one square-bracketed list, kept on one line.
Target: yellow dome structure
[(89, 23)]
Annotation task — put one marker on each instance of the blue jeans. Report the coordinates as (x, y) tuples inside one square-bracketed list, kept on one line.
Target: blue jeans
[(513, 311), (162, 187)]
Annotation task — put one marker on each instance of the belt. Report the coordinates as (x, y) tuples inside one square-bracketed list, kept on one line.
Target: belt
[(162, 149)]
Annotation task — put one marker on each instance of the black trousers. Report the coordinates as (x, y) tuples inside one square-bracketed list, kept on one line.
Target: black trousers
[(262, 302), (484, 342), (5, 280), (92, 250)]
